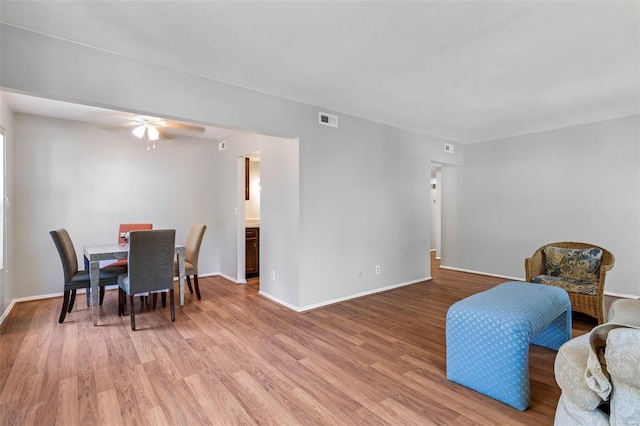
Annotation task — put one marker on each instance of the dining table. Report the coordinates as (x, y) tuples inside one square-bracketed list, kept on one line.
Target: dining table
[(96, 253)]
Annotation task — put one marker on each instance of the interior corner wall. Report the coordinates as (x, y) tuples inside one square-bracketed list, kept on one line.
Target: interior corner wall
[(365, 191), (7, 280), (514, 195), (363, 187), (279, 212)]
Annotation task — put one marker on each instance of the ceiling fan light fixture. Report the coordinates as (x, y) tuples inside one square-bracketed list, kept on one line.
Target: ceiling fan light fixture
[(153, 133), (139, 131)]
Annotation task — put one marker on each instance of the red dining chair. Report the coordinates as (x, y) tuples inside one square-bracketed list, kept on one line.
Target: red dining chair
[(122, 231)]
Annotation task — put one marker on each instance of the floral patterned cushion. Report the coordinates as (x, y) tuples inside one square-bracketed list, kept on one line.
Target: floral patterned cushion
[(569, 285), (581, 265)]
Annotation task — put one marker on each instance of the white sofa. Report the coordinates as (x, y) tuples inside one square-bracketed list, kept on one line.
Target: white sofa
[(599, 372)]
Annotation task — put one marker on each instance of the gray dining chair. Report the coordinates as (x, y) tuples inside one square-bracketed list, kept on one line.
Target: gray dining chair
[(150, 268), (74, 278)]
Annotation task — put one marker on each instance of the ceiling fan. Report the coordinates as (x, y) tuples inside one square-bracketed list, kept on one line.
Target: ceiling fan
[(157, 128)]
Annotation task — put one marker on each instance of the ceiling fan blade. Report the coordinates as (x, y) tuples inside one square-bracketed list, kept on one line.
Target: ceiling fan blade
[(185, 126), (164, 134), (112, 128)]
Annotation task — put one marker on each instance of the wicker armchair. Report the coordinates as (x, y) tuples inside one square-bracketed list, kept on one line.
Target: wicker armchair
[(592, 305)]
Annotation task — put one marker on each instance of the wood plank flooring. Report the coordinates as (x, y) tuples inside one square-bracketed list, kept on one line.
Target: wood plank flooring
[(235, 357)]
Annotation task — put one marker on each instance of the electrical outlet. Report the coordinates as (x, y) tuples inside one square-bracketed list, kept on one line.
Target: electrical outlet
[(273, 275), (378, 270)]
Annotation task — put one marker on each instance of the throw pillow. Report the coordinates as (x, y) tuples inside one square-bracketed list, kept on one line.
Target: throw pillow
[(574, 264)]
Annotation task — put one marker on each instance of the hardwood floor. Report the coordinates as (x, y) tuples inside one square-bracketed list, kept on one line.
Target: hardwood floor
[(254, 282), (235, 357)]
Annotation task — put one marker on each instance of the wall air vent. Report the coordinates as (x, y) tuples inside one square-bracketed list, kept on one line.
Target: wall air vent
[(449, 148), (327, 119)]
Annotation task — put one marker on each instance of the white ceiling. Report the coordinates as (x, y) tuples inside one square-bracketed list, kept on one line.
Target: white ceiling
[(460, 70)]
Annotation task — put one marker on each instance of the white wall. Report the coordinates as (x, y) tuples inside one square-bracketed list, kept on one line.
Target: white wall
[(438, 214), (279, 213), (363, 188), (364, 202), (434, 211), (77, 176), (7, 280), (516, 194)]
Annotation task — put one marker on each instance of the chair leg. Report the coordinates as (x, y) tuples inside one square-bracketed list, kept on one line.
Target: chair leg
[(133, 315), (163, 298), (172, 305), (189, 284), (101, 295), (195, 284), (72, 299), (121, 299), (65, 305)]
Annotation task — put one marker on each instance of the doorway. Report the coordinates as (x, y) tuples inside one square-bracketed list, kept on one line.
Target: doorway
[(251, 244), (436, 209)]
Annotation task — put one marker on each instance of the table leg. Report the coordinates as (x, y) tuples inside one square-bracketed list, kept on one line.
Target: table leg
[(94, 271), (181, 277)]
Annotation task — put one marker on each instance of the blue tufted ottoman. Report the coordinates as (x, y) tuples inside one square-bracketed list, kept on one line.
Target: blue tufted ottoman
[(488, 337)]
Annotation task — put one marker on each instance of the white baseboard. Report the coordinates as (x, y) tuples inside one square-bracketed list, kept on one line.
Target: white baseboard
[(470, 271), (41, 296), (227, 277), (451, 268), (622, 295), (341, 299), (279, 302), (79, 291), (5, 314), (262, 293), (304, 308)]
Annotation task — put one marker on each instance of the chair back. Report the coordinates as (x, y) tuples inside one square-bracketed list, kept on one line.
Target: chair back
[(607, 257), (128, 227), (194, 240), (67, 252), (151, 256)]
